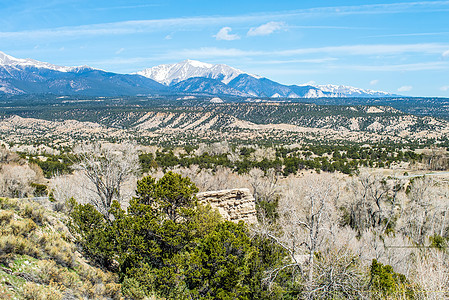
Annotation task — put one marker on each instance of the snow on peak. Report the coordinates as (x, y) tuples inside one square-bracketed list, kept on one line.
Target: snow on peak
[(343, 90), (169, 74), (10, 61), (198, 64)]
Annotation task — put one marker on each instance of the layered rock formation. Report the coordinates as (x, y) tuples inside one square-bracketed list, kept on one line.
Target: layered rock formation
[(234, 205)]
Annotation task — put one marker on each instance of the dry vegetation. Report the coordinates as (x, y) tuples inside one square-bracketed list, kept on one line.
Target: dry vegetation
[(38, 261), (337, 230), (278, 122)]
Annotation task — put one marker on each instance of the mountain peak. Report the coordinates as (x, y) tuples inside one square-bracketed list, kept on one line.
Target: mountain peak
[(18, 76), (10, 61), (345, 91), (170, 74), (6, 59), (197, 64)]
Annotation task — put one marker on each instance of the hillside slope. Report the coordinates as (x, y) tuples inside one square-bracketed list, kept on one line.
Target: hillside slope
[(38, 260)]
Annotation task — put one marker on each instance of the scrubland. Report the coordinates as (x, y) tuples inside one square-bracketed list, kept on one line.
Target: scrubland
[(116, 221)]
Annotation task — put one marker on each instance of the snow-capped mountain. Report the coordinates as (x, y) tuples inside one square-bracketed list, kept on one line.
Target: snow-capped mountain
[(12, 62), (241, 83), (29, 76), (349, 91), (170, 74), (207, 86)]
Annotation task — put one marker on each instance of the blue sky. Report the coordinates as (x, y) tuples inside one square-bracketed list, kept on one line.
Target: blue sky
[(399, 47)]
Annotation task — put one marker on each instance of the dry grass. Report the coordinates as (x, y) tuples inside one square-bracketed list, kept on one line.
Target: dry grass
[(33, 291), (40, 260)]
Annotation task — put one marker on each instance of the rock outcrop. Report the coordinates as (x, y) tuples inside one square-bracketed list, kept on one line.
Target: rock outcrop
[(234, 205)]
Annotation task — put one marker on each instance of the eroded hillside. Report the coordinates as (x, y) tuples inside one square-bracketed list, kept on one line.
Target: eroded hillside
[(277, 122)]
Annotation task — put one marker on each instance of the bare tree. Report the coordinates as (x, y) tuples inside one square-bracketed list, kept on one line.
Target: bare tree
[(306, 213), (372, 203), (431, 273), (339, 273), (265, 187), (107, 167), (209, 180), (214, 148), (7, 156), (426, 211), (16, 180)]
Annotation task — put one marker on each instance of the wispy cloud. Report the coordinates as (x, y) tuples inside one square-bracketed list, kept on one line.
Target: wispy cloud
[(210, 52), (224, 34), (374, 82), (405, 88), (398, 67), (409, 34), (122, 28), (444, 88), (345, 50), (139, 26), (124, 7), (372, 49), (266, 29), (119, 50), (293, 61)]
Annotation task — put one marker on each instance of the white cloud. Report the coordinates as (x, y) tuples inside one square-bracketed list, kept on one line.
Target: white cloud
[(266, 29), (152, 25), (445, 54), (168, 37), (119, 50), (225, 35), (374, 82), (405, 88), (378, 49), (444, 88)]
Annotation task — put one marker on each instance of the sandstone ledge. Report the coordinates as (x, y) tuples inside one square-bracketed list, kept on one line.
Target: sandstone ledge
[(234, 205)]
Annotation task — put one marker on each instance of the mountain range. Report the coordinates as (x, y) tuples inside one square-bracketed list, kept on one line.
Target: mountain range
[(28, 76)]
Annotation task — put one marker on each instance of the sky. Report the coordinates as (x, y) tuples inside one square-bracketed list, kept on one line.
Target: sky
[(399, 47)]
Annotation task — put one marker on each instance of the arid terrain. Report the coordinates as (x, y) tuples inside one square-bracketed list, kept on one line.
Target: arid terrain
[(295, 200)]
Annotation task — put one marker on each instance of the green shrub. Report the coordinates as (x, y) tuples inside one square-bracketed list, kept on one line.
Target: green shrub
[(437, 241), (132, 289), (385, 283), (40, 190)]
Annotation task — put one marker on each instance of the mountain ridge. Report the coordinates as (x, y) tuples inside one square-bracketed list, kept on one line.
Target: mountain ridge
[(29, 76)]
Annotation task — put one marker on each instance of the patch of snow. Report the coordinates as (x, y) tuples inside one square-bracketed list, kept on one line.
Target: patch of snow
[(343, 91), (312, 93), (169, 74), (186, 98), (216, 100), (10, 61)]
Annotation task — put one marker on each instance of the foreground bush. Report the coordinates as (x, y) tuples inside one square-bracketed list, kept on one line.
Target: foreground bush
[(168, 244)]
